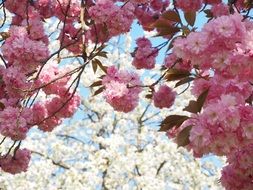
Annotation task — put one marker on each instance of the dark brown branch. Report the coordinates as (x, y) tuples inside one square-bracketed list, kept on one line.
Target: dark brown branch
[(60, 164), (160, 167)]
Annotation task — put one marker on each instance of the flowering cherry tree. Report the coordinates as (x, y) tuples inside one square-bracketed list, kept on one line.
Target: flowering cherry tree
[(102, 149), (215, 61)]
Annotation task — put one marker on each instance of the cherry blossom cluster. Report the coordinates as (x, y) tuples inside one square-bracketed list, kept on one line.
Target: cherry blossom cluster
[(238, 174), (218, 58), (25, 72), (17, 163), (222, 52), (122, 89), (144, 56), (117, 19), (164, 97), (147, 11)]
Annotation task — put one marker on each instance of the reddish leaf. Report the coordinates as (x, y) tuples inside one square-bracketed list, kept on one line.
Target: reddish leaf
[(149, 96), (99, 91), (171, 15), (161, 24), (102, 54), (202, 98), (183, 81), (190, 17), (186, 30), (171, 121), (182, 138), (168, 30), (101, 47), (192, 107), (196, 106), (97, 83), (101, 66), (94, 66), (2, 106), (102, 76), (176, 74), (209, 13)]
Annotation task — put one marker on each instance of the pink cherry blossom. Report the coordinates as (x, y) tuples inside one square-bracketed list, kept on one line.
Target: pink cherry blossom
[(238, 173), (144, 56), (21, 51), (219, 10), (17, 163), (188, 5), (14, 122), (164, 97), (121, 89)]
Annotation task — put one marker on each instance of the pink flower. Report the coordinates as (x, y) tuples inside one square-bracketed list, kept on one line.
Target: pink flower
[(71, 35), (49, 114), (238, 173), (121, 89), (172, 61), (54, 78), (212, 1), (36, 29), (117, 20), (164, 97), (220, 9), (39, 112), (189, 5), (49, 123), (17, 163), (144, 56), (45, 7), (19, 50), (14, 123), (15, 82), (17, 6), (71, 8), (197, 42), (64, 106)]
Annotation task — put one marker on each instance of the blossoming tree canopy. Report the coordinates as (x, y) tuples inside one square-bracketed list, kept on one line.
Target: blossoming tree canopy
[(216, 60), (111, 148)]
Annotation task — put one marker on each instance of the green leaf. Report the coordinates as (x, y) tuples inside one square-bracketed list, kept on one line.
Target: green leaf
[(182, 138), (176, 74), (173, 120), (190, 17)]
